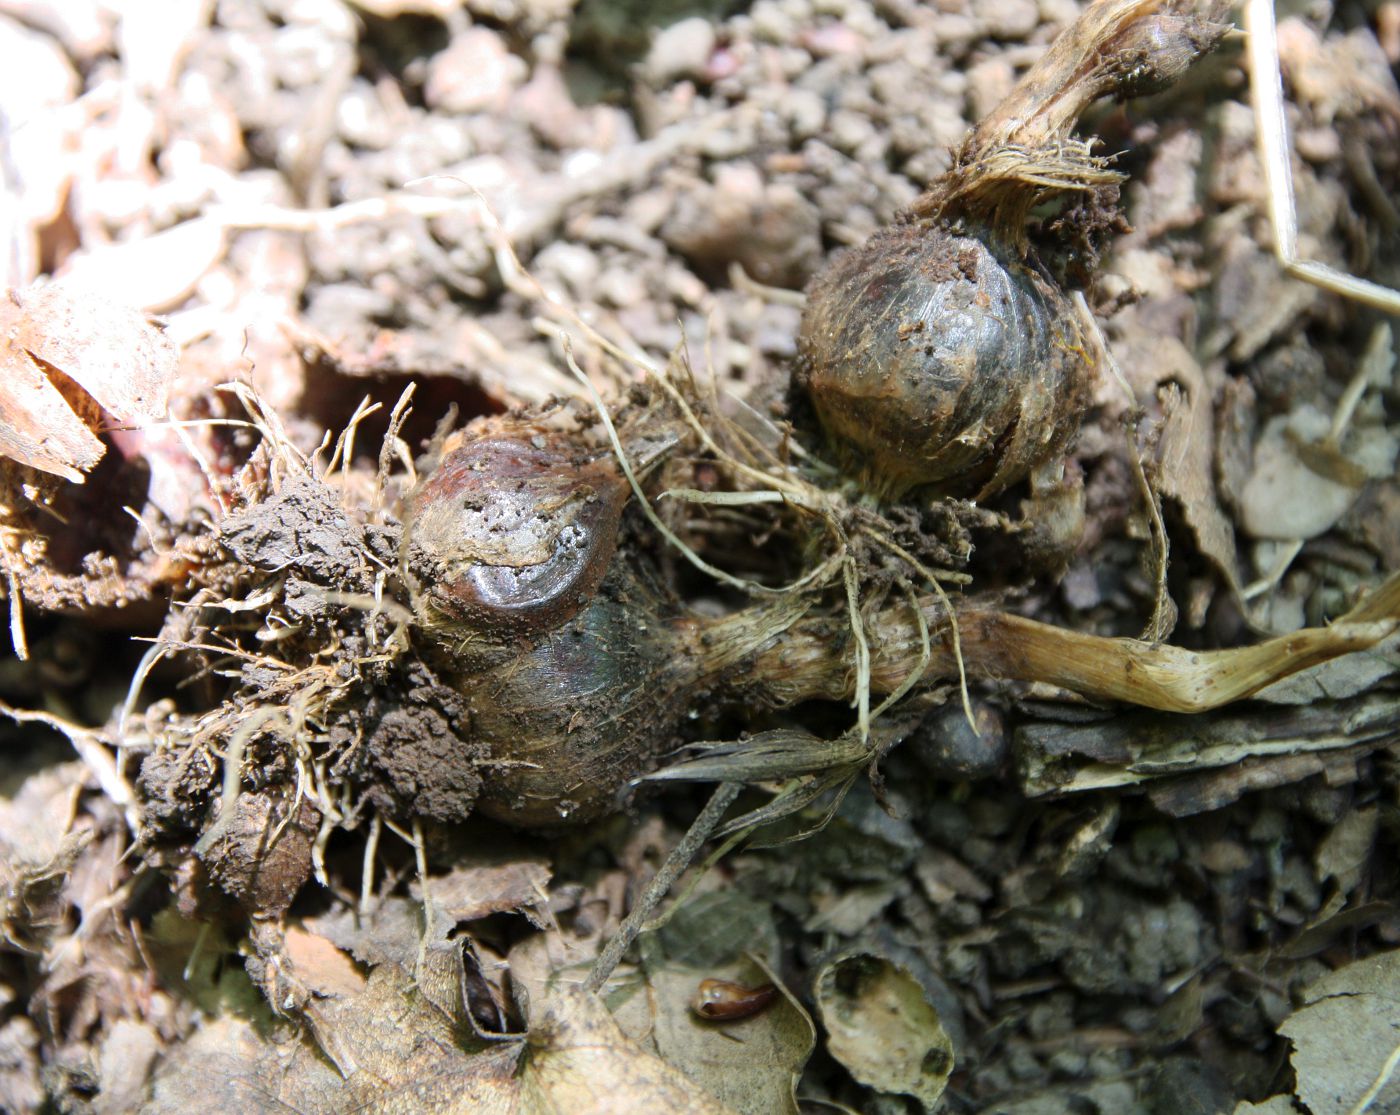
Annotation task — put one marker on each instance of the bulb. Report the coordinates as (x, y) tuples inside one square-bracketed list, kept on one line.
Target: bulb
[(568, 657), (933, 361), (514, 529)]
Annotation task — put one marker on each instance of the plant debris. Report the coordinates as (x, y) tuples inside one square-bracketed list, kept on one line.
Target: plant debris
[(485, 484)]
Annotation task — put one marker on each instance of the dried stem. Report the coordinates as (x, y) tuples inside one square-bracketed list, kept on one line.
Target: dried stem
[(997, 645), (675, 865), (1115, 47), (1022, 152)]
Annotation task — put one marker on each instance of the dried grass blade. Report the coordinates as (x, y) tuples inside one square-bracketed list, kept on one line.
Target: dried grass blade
[(765, 757)]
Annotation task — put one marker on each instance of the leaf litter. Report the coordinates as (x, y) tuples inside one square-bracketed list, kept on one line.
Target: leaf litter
[(998, 943)]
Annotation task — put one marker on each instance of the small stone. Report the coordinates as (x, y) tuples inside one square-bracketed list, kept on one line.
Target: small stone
[(621, 287), (680, 51), (947, 747), (546, 104), (1225, 857), (953, 31), (572, 264), (1080, 587), (1010, 19), (476, 73), (848, 130), (832, 39), (988, 83), (361, 118), (1060, 12), (770, 230), (1318, 145), (806, 113)]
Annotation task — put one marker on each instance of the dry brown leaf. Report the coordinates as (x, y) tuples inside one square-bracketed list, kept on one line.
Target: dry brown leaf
[(38, 848), (321, 964), (227, 1065), (580, 1062), (20, 1087), (752, 1064), (882, 1027), (1345, 1035), (1187, 456), (124, 1063), (505, 881), (396, 1052), (37, 426), (399, 1053), (66, 358)]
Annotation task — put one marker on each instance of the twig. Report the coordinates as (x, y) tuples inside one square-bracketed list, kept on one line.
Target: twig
[(675, 865), (862, 694), (740, 279)]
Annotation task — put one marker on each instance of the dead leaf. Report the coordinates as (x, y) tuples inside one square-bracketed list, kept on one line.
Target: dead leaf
[(66, 358), (505, 881), (580, 1062), (1344, 1036), (752, 1064), (230, 1066), (398, 1052), (1186, 458), (1330, 925), (321, 964), (395, 1051), (1345, 852), (20, 1087), (882, 1027), (389, 932), (124, 1065), (38, 850)]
